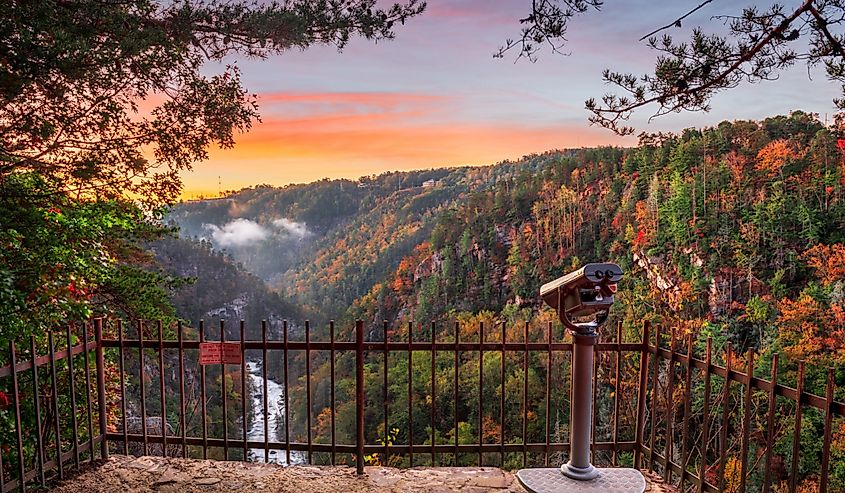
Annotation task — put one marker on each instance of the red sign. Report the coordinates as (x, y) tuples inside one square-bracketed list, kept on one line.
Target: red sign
[(232, 353), (220, 353), (210, 353)]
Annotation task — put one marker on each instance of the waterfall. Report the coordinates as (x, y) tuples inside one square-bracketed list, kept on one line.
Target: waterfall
[(275, 418)]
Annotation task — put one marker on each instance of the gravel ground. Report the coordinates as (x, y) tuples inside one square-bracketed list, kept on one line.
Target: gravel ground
[(166, 475)]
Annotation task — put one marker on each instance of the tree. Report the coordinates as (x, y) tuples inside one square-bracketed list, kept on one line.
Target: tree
[(74, 74), (759, 44), (64, 259), (102, 103)]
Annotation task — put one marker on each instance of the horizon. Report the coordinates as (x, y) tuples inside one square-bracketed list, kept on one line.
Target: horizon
[(226, 193)]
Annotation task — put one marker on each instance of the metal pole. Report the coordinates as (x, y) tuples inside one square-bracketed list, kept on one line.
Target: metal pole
[(101, 387), (359, 398), (581, 419)]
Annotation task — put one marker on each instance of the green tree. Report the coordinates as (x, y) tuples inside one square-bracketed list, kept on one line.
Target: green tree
[(64, 259), (83, 169), (74, 74)]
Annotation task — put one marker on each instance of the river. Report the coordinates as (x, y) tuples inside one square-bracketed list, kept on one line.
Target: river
[(275, 418)]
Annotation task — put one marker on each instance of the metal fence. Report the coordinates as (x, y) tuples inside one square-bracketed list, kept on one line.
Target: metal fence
[(755, 418), (662, 403), (56, 406)]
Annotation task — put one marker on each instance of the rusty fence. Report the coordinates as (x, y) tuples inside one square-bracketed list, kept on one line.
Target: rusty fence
[(705, 419), (54, 403)]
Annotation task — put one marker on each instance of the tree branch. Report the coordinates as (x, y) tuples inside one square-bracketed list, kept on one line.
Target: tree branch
[(677, 22)]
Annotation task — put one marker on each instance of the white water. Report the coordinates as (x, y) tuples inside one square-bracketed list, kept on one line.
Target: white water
[(275, 418)]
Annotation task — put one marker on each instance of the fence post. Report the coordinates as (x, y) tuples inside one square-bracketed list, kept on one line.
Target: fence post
[(359, 395), (101, 387), (642, 397), (13, 363)]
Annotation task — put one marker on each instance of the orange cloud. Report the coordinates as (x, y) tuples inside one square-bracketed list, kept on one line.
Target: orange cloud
[(354, 134)]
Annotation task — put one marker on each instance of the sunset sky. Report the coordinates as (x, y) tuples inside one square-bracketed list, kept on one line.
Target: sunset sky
[(435, 96)]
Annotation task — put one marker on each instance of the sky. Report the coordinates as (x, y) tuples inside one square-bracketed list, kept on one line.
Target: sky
[(435, 96)]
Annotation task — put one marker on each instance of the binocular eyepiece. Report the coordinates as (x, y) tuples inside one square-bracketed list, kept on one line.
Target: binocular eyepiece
[(583, 298)]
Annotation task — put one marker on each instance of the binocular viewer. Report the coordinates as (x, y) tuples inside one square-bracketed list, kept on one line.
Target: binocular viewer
[(583, 298)]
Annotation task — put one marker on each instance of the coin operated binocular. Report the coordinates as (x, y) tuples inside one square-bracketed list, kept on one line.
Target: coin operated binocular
[(583, 298)]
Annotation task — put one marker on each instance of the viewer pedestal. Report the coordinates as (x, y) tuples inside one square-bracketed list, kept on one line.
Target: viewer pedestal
[(578, 475), (608, 480)]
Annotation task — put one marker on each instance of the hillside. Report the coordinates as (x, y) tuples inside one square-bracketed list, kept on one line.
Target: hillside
[(218, 287), (325, 244), (730, 231), (733, 231)]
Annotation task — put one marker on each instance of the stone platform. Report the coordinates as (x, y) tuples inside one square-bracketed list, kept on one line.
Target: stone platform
[(166, 475)]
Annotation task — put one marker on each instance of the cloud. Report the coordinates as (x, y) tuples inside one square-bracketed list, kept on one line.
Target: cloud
[(239, 232), (299, 230)]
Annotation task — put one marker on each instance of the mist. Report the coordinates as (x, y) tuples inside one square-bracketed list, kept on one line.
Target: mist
[(237, 233)]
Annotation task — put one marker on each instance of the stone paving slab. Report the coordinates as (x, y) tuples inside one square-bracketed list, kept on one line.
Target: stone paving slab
[(170, 475)]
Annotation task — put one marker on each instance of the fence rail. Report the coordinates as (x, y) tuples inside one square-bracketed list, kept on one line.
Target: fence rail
[(664, 403)]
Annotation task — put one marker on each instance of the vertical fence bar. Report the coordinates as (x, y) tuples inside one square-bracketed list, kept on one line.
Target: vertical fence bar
[(332, 397), (384, 392), (101, 386), (88, 385), (828, 430), (411, 393), (685, 429), (770, 425), (202, 399), (723, 433), (525, 398), (73, 413), (265, 401), (2, 475), (796, 437), (502, 401), (595, 385), (480, 393), (182, 431), (162, 390), (287, 400), (308, 409), (55, 397), (141, 386), (121, 361), (642, 395), (670, 410), (616, 386), (13, 359), (359, 396), (746, 424), (224, 395), (38, 428), (655, 389), (705, 426), (457, 369), (243, 395), (433, 394), (548, 393)]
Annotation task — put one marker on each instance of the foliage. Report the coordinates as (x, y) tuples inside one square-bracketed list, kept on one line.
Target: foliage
[(67, 259), (81, 75)]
